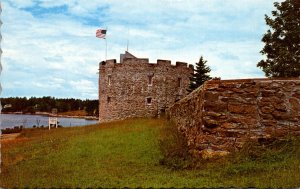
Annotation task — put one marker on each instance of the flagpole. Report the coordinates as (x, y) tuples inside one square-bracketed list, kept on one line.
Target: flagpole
[(105, 46), (127, 39), (105, 49), (0, 90)]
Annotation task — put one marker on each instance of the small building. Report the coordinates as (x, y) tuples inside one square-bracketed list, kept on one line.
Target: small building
[(136, 88)]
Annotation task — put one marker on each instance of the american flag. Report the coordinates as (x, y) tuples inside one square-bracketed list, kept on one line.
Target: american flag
[(100, 33)]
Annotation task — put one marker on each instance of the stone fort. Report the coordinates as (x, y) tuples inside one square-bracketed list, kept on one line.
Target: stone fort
[(216, 118), (136, 88)]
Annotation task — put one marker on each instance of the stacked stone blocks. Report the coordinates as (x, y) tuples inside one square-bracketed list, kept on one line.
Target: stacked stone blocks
[(137, 88), (223, 114)]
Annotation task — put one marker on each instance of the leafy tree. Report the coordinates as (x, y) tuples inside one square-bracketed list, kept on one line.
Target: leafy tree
[(282, 41), (200, 75), (91, 107)]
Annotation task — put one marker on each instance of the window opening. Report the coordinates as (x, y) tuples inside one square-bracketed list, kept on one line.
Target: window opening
[(150, 80), (179, 82), (109, 79), (149, 100)]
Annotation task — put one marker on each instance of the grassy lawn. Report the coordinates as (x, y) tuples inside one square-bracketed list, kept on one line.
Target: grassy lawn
[(75, 113), (126, 154)]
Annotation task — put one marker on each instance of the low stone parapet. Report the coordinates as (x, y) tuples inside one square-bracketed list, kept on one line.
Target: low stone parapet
[(222, 114)]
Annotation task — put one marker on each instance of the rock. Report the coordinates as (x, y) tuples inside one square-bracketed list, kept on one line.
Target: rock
[(295, 104), (241, 108), (215, 106), (213, 114), (211, 86), (267, 109), (209, 153), (297, 95), (283, 115), (269, 123), (268, 93), (281, 107), (210, 123), (211, 96), (229, 125)]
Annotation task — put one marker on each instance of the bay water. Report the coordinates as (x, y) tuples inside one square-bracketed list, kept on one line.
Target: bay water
[(28, 121)]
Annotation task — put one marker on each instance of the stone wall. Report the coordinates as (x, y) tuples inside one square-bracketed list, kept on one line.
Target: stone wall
[(222, 114), (137, 88)]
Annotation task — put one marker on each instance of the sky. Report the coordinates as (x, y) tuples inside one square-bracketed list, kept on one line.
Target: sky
[(50, 49)]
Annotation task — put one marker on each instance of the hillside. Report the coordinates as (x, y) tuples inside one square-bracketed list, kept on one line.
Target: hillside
[(126, 154)]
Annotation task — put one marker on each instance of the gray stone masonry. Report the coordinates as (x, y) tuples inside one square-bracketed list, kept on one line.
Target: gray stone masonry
[(137, 88), (222, 114)]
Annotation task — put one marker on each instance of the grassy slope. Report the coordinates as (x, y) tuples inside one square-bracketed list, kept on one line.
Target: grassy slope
[(74, 113), (125, 154)]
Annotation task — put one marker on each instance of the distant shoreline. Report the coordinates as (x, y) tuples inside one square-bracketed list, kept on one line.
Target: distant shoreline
[(52, 115)]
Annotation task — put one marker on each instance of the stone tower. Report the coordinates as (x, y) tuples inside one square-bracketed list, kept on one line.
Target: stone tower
[(136, 88)]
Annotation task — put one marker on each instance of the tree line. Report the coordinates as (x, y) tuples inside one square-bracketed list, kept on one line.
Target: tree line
[(47, 103)]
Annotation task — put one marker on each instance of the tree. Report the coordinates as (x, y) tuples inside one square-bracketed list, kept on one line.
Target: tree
[(282, 41), (200, 75)]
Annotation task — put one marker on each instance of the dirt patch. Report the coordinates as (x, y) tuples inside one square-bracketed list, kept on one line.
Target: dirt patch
[(8, 137)]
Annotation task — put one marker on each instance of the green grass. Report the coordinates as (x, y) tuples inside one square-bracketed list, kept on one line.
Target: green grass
[(127, 154)]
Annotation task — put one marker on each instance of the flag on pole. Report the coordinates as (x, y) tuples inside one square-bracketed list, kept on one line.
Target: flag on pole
[(100, 33)]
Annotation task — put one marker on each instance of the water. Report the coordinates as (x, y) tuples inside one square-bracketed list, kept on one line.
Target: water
[(11, 120)]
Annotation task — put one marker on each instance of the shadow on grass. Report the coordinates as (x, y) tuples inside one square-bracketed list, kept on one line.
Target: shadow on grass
[(174, 148), (255, 156)]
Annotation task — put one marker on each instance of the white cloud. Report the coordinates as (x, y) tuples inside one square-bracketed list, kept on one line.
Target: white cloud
[(227, 33), (86, 88), (20, 3), (52, 3)]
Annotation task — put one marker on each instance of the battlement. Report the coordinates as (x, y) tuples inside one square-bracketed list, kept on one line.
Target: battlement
[(111, 61), (144, 62), (135, 60), (107, 63), (181, 64), (163, 62)]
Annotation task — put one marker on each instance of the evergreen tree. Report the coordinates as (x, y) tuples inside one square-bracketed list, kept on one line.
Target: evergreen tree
[(282, 41), (200, 75)]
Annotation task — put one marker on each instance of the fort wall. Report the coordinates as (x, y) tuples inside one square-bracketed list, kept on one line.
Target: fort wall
[(222, 114), (137, 88)]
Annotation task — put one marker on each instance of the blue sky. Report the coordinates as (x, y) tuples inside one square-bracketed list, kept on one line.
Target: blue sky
[(50, 49)]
